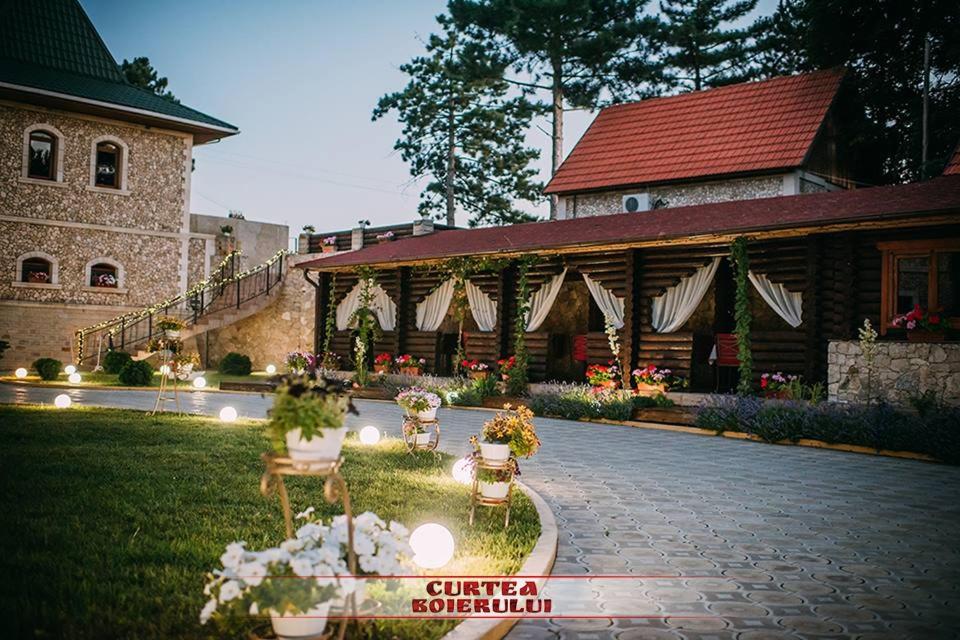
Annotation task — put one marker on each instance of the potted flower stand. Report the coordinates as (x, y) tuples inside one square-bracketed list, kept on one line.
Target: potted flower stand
[(420, 434), (496, 493)]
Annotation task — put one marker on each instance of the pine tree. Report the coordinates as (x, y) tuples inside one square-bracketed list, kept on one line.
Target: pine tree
[(577, 51), (140, 73), (702, 50), (463, 131)]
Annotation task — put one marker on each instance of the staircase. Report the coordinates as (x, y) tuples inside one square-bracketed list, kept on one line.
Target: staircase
[(228, 296)]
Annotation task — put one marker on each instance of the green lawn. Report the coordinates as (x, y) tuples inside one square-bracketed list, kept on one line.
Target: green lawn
[(100, 379), (111, 518)]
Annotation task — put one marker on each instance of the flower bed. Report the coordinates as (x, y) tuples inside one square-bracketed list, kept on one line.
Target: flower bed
[(879, 426)]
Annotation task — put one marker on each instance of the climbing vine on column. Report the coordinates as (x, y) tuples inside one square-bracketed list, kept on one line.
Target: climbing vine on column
[(368, 328), (326, 358), (741, 265), (517, 383)]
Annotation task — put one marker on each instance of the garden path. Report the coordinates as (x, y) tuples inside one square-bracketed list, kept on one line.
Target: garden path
[(749, 540)]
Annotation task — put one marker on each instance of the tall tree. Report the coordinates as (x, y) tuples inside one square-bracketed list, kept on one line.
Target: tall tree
[(703, 49), (882, 43), (572, 50), (140, 73), (464, 131)]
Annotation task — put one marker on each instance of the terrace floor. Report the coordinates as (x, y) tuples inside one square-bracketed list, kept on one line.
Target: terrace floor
[(745, 540)]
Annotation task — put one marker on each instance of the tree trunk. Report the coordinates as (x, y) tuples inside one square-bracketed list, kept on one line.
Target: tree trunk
[(451, 167), (557, 133)]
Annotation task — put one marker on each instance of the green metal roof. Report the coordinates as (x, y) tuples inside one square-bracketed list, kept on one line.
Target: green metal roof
[(52, 46)]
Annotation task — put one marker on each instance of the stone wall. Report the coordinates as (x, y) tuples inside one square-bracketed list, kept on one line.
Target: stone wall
[(901, 370), (596, 204), (258, 241), (269, 335)]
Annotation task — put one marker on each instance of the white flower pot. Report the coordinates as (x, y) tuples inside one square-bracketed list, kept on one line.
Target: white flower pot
[(429, 414), (171, 334), (303, 625), (494, 490), (422, 438), (325, 445), (494, 453)]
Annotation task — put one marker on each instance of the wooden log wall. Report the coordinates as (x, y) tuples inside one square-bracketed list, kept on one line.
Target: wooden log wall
[(341, 342)]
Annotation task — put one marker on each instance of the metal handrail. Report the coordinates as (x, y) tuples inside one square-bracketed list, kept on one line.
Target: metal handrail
[(228, 288)]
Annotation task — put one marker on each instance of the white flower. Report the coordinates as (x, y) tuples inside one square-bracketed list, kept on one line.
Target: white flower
[(208, 610), (306, 513), (302, 567), (291, 546), (312, 531), (252, 573), (229, 590), (254, 609), (399, 530), (363, 544), (233, 555), (273, 555)]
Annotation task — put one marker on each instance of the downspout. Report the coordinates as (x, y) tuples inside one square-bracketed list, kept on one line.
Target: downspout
[(317, 311)]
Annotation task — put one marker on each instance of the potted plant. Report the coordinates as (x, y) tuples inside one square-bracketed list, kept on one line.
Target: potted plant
[(505, 367), (300, 362), (294, 583), (226, 230), (604, 376), (183, 364), (476, 369), (107, 280), (494, 484), (410, 366), (921, 325), (653, 381), (309, 228), (171, 327), (330, 361), (382, 363), (419, 403), (386, 236), (508, 432), (381, 549), (776, 385), (307, 417), (41, 277), (329, 244), (414, 430)]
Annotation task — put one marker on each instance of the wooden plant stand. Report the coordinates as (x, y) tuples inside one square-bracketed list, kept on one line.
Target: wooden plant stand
[(334, 490), (168, 391), (477, 498), (411, 423)]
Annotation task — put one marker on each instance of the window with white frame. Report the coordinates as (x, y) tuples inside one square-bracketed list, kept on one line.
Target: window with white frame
[(37, 269), (104, 273), (108, 164), (42, 153)]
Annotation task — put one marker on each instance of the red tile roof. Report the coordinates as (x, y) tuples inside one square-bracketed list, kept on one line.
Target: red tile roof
[(937, 196), (953, 166), (750, 127)]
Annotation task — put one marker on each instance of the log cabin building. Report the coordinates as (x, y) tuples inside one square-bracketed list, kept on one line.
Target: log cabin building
[(822, 257)]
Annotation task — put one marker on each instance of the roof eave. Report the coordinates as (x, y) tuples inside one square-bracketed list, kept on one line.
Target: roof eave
[(202, 132)]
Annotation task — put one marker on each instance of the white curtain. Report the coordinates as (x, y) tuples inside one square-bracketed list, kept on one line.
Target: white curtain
[(382, 306), (674, 308), (483, 308), (787, 304), (610, 305), (433, 309), (542, 301)]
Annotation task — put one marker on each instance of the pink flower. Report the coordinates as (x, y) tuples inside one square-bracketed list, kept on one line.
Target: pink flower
[(912, 324)]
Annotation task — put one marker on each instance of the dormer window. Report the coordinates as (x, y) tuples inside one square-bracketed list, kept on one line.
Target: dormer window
[(42, 155), (108, 165)]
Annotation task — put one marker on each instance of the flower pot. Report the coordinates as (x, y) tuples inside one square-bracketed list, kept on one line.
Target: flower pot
[(494, 453), (645, 389), (323, 446), (606, 384), (41, 277), (782, 394), (171, 334), (340, 603), (422, 439), (925, 336), (494, 490), (381, 368), (479, 375), (428, 414), (328, 248), (410, 371), (303, 625)]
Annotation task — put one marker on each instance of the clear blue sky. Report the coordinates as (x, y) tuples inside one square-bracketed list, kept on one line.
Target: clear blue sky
[(299, 78)]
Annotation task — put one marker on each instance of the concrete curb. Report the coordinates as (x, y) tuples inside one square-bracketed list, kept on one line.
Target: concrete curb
[(96, 387), (538, 563)]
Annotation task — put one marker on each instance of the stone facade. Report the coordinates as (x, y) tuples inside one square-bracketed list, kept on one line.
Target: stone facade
[(901, 370)]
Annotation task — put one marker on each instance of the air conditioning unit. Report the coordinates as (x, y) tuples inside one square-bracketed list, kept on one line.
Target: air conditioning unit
[(635, 202)]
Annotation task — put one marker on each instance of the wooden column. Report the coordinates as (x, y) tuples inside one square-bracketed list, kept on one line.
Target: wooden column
[(631, 314), (403, 310), (506, 291), (811, 312)]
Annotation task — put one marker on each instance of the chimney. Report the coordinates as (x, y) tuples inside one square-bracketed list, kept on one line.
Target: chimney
[(422, 227), (356, 238)]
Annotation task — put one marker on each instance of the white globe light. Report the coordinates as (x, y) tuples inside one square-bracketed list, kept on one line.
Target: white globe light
[(20, 372), (463, 471), (62, 401), (69, 369), (199, 382), (164, 369), (74, 378), (228, 414), (432, 545), (369, 435), (271, 369)]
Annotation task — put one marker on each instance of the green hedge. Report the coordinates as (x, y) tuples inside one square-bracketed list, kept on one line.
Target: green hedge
[(48, 368), (878, 426), (114, 361), (235, 364), (136, 373)]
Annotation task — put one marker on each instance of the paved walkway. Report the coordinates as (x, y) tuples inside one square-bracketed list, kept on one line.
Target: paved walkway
[(751, 540)]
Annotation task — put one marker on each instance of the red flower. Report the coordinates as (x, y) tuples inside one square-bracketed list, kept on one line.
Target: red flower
[(763, 383), (933, 318)]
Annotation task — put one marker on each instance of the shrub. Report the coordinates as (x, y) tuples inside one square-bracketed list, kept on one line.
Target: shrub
[(48, 368), (4, 345), (114, 361), (136, 373), (235, 364)]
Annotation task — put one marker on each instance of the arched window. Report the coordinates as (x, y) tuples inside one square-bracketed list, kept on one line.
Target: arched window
[(105, 273), (108, 164), (36, 268), (42, 153)]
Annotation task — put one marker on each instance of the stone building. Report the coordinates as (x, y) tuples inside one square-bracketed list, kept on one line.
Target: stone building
[(753, 140), (94, 183)]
